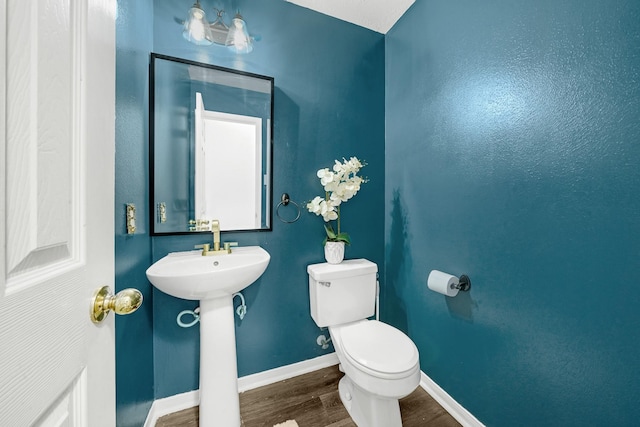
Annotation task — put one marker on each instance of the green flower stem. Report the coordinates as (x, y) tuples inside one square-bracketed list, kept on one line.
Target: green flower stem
[(327, 198)]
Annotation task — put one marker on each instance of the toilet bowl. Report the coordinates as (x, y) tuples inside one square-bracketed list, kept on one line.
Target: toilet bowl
[(381, 363)]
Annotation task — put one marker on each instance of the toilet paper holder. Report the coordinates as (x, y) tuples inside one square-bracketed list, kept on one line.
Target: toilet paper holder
[(464, 283), (448, 284)]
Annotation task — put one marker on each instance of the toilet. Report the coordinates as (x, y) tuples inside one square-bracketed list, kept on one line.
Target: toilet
[(381, 364)]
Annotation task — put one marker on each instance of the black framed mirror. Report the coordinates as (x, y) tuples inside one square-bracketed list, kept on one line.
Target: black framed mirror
[(210, 147)]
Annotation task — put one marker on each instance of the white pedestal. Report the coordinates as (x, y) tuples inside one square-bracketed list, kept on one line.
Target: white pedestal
[(219, 400)]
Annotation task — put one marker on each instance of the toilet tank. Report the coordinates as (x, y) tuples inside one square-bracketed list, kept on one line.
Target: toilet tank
[(342, 293)]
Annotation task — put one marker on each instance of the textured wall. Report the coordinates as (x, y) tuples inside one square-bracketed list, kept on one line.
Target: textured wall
[(134, 343), (511, 155), (329, 103)]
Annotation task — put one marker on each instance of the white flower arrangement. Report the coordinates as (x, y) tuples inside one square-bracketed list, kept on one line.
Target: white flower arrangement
[(340, 185)]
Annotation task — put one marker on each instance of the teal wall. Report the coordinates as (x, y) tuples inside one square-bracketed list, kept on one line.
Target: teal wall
[(509, 154), (512, 152), (134, 333), (329, 104)]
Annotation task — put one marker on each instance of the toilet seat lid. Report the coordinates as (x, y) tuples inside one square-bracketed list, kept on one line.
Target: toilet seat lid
[(379, 347)]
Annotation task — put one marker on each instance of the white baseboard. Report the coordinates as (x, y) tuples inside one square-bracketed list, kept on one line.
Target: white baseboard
[(456, 410), (171, 404), (178, 402), (271, 376)]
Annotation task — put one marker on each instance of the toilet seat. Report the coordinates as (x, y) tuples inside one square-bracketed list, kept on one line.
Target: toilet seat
[(379, 349)]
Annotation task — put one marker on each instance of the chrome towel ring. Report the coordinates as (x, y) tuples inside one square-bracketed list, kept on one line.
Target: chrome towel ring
[(284, 201)]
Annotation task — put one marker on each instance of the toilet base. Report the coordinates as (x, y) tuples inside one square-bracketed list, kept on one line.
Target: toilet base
[(367, 410)]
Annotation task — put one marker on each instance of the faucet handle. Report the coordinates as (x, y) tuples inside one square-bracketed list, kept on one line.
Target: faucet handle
[(227, 245), (205, 248)]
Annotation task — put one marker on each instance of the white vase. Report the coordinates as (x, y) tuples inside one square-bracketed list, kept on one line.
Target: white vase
[(334, 252)]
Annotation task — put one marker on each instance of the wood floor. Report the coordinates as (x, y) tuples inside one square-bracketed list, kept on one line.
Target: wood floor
[(313, 401)]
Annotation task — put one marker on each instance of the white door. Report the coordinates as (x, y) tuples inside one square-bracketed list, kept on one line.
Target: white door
[(230, 145), (57, 57), (233, 148)]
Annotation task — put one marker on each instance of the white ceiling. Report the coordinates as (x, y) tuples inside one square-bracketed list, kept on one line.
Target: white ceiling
[(377, 15)]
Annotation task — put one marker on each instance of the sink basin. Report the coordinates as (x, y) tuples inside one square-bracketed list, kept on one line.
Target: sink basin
[(189, 275)]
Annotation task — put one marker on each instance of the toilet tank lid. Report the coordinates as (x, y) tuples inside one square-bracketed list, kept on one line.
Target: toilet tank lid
[(347, 268)]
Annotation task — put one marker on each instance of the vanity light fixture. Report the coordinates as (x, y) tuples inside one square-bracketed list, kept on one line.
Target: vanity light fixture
[(198, 30)]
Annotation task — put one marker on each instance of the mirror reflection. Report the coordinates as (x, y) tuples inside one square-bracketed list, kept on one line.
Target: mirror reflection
[(210, 147)]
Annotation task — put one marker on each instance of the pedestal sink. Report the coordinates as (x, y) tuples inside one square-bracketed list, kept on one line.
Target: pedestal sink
[(213, 280)]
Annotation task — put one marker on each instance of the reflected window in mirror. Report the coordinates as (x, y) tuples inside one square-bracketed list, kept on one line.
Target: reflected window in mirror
[(210, 147)]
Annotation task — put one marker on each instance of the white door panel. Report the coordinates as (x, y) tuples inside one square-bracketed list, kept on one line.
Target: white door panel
[(56, 366)]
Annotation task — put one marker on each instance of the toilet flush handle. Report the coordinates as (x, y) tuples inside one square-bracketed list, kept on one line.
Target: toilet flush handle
[(327, 284)]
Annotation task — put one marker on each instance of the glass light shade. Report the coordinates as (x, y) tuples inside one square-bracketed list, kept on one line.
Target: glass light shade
[(196, 27), (238, 39)]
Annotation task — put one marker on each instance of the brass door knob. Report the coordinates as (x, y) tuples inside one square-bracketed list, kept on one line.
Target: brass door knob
[(124, 302)]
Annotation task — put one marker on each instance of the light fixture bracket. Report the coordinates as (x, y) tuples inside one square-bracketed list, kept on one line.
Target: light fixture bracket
[(219, 29), (235, 36)]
